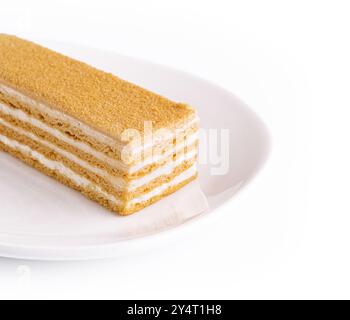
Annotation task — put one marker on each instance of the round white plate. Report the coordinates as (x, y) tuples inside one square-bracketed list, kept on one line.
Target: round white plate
[(42, 219)]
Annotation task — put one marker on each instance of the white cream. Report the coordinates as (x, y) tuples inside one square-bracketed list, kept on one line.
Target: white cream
[(119, 183), (163, 170), (83, 182), (24, 117)]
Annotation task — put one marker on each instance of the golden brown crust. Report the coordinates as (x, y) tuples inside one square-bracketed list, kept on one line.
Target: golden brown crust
[(98, 99)]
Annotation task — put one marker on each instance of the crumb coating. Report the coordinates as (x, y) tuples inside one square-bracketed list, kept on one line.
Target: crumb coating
[(99, 99)]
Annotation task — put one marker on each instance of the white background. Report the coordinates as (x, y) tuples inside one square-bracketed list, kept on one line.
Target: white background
[(287, 235)]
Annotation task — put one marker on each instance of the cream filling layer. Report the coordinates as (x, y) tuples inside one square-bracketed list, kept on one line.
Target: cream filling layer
[(118, 183), (75, 123), (24, 117), (85, 183)]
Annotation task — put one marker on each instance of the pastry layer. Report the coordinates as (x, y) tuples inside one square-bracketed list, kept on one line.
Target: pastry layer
[(65, 175), (66, 139), (98, 99), (19, 118), (112, 184)]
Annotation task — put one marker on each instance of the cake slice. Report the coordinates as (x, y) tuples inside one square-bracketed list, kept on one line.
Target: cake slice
[(115, 142)]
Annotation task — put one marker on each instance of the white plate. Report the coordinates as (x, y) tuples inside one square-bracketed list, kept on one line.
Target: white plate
[(42, 219)]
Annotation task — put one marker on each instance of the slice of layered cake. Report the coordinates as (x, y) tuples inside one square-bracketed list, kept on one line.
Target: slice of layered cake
[(118, 144)]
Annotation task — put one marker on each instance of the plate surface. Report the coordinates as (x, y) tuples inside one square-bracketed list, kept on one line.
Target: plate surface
[(42, 219)]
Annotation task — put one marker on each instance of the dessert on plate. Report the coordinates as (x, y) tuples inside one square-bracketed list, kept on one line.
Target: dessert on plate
[(115, 142)]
